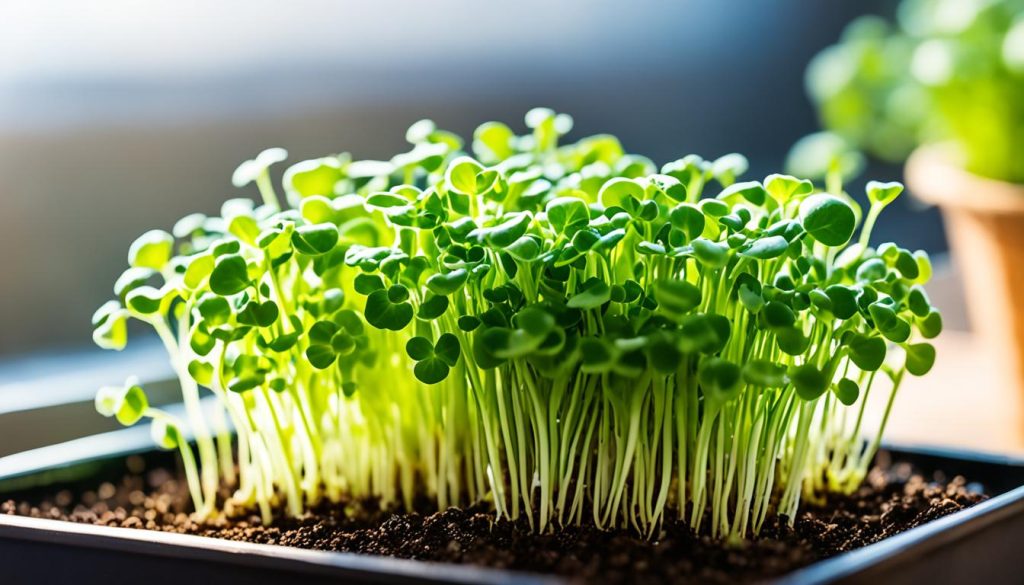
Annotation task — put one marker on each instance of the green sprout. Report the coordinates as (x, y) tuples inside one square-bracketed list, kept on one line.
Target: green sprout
[(567, 332), (945, 71)]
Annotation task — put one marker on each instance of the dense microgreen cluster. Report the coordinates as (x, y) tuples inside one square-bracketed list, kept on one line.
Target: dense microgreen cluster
[(947, 70), (566, 331)]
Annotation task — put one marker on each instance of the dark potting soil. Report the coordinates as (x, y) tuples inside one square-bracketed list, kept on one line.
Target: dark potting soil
[(891, 500)]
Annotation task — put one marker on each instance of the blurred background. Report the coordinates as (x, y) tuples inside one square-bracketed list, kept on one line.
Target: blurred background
[(119, 116)]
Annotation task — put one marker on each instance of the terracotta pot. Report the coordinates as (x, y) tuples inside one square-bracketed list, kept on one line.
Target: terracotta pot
[(985, 224)]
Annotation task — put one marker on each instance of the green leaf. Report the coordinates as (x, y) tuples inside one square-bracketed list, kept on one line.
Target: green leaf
[(447, 349), (223, 247), (752, 300), (482, 351), (760, 372), (249, 170), (844, 301), (866, 352), (492, 142), (431, 370), (214, 310), (151, 250), (792, 340), (189, 225), (397, 293), (710, 254), (259, 314), (883, 193), (433, 307), (201, 372), (676, 296), (809, 381), (664, 356), (596, 355), (920, 358), (367, 283), (704, 333), (165, 434), (752, 191), (199, 269), (687, 169), (505, 343), (144, 300), (584, 240), (200, 339), (924, 267), (419, 348), (315, 240), (688, 219), (349, 321), (621, 192), (828, 219), (566, 213), (461, 175), (343, 343), (349, 388), (245, 383), (847, 391), (888, 323), (917, 301), (871, 270), (468, 322), (382, 313), (720, 379), (714, 208), (127, 403), (782, 188), (595, 292), (313, 177), (766, 248), (322, 332), (669, 186), (727, 167), (820, 154), (283, 343), (906, 263), (244, 227), (448, 283), (110, 326), (821, 301), (386, 200), (230, 275), (510, 230), (525, 249), (931, 324), (778, 315), (131, 279), (534, 321), (320, 356), (609, 240)]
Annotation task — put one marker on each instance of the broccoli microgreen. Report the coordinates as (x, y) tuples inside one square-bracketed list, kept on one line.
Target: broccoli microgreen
[(567, 331)]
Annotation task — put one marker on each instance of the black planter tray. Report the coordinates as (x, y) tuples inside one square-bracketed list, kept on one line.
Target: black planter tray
[(977, 545)]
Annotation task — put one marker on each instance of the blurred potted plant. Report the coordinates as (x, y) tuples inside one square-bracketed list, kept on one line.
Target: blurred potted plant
[(944, 85)]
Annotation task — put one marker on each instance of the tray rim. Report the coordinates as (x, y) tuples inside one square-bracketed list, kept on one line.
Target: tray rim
[(914, 542)]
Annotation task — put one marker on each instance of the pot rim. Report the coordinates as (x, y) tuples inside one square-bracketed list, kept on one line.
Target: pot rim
[(936, 176)]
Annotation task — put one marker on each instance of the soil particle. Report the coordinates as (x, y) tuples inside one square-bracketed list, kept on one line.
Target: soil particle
[(890, 501)]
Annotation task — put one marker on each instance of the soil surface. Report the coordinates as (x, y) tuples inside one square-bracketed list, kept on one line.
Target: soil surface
[(890, 501)]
